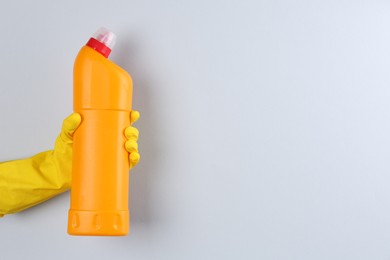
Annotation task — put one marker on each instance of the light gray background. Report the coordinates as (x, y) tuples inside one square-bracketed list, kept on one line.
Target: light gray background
[(264, 131)]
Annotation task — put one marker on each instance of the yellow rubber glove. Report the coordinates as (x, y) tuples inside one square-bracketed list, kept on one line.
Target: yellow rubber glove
[(131, 144), (28, 182)]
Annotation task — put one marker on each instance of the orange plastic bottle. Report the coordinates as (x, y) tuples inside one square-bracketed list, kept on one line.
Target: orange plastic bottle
[(100, 173)]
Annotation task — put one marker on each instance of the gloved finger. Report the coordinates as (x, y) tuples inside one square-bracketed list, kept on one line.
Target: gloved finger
[(134, 158), (70, 125), (131, 133), (131, 146), (134, 116)]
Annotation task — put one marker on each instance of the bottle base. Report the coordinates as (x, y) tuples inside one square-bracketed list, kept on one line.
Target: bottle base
[(98, 223)]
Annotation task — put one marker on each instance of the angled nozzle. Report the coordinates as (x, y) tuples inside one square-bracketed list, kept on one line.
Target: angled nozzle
[(102, 41)]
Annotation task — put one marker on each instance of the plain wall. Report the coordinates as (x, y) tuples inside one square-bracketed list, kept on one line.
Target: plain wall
[(264, 126)]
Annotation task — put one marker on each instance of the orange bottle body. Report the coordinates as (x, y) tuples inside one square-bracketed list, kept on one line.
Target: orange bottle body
[(100, 170)]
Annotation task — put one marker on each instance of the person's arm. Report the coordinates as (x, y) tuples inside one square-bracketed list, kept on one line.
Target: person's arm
[(27, 182)]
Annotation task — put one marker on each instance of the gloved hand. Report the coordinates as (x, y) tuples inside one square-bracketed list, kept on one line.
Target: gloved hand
[(27, 182), (131, 144)]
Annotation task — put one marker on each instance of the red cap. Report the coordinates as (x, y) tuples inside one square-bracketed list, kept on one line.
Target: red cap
[(98, 46), (102, 41)]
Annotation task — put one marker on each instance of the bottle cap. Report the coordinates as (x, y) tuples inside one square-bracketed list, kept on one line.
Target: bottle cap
[(102, 41)]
